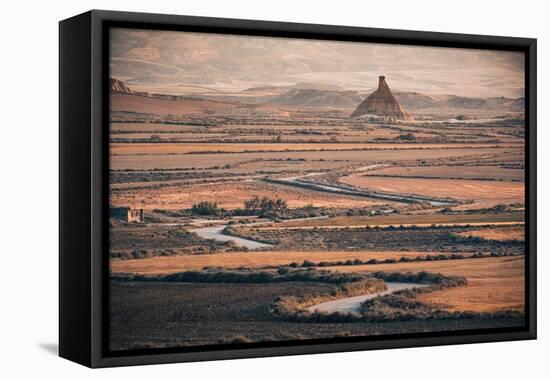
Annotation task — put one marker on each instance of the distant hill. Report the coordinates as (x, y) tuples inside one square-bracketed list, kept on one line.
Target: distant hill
[(464, 102), (266, 88), (302, 85), (517, 103), (415, 100), (320, 95), (119, 87), (316, 98), (126, 100)]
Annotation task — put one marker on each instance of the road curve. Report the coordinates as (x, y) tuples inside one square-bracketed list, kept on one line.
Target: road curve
[(216, 233), (351, 305)]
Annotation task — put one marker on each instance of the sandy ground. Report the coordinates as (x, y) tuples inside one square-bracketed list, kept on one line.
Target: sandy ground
[(171, 264), (407, 219), (486, 193), (231, 196), (141, 160), (505, 233), (183, 148), (464, 172)]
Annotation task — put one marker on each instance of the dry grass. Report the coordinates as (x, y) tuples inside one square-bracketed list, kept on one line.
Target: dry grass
[(407, 220), (502, 234), (230, 195), (466, 172), (495, 283), (171, 264), (152, 127), (164, 135), (486, 193), (139, 160), (183, 148)]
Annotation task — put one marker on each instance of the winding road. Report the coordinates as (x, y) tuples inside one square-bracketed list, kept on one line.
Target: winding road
[(216, 233), (351, 305), (300, 181)]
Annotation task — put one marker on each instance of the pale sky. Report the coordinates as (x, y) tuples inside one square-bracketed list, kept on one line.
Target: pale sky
[(191, 62)]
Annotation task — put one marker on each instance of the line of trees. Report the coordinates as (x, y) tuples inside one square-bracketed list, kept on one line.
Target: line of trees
[(262, 206), (206, 208)]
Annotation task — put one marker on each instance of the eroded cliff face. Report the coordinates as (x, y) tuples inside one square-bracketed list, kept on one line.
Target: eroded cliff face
[(118, 86), (382, 103)]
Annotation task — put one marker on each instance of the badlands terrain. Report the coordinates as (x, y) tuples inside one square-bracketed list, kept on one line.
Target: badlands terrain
[(261, 206)]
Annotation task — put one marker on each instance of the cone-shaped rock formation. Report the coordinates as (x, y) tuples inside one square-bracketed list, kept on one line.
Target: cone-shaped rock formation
[(382, 103)]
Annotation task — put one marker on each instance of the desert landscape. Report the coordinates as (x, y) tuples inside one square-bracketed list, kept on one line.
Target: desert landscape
[(268, 190)]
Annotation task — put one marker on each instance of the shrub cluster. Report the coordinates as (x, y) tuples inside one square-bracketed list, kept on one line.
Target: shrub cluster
[(245, 276), (206, 208), (402, 308), (442, 256), (437, 280)]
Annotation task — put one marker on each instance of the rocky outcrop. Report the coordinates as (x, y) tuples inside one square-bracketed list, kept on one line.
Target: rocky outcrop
[(382, 103), (118, 86)]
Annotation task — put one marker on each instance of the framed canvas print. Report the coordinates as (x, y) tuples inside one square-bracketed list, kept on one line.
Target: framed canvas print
[(234, 188)]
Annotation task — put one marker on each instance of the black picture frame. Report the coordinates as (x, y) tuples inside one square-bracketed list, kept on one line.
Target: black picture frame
[(83, 181)]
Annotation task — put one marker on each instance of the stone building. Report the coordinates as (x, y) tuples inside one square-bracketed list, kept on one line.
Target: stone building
[(126, 214)]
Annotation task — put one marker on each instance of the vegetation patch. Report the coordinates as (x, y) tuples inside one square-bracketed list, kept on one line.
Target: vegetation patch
[(422, 278), (400, 238), (137, 241), (402, 305), (403, 259), (209, 275)]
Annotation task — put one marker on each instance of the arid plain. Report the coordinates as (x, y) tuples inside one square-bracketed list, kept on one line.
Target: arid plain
[(284, 197), (442, 194)]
